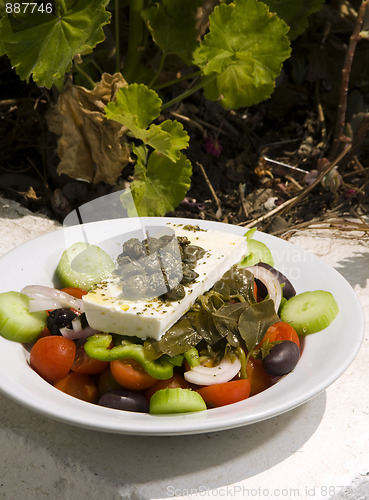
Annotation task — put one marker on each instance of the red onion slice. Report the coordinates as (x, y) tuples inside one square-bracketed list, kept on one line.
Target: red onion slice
[(71, 334), (57, 298), (36, 304), (271, 283), (77, 332), (224, 372)]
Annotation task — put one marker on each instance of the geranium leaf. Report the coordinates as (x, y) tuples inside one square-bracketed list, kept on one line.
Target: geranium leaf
[(93, 152), (294, 13), (243, 52), (168, 138), (136, 107), (43, 44), (172, 25), (161, 186)]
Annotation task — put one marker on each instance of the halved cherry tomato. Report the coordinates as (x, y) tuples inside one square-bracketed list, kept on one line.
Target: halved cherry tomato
[(79, 386), (226, 393), (83, 363), (129, 374), (259, 378), (255, 290), (75, 292), (177, 381), (52, 357), (281, 331)]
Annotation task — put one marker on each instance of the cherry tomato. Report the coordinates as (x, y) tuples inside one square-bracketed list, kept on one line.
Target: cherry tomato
[(79, 386), (281, 331), (52, 357), (226, 393), (171, 383), (75, 292), (83, 363), (129, 374), (259, 378)]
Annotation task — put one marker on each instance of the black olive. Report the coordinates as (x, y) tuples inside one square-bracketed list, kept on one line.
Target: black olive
[(122, 399), (282, 358), (287, 289), (59, 318)]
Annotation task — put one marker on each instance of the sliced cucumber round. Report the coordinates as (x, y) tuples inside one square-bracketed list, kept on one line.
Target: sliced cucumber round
[(310, 312), (257, 252), (16, 322), (176, 400), (83, 265)]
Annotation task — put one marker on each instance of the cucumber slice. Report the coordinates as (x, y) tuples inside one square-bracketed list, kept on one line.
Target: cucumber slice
[(176, 400), (16, 323), (258, 252), (310, 312), (83, 265)]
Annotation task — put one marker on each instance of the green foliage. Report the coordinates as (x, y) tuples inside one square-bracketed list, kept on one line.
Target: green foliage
[(294, 13), (236, 62), (163, 176), (44, 44), (245, 48), (135, 107), (159, 186), (172, 26)]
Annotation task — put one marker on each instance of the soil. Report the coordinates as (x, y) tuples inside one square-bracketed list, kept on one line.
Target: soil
[(247, 164)]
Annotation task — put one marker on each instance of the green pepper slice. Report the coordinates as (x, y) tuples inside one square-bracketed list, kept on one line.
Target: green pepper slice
[(192, 357), (98, 347)]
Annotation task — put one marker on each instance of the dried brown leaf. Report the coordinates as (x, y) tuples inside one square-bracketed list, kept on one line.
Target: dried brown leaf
[(89, 144)]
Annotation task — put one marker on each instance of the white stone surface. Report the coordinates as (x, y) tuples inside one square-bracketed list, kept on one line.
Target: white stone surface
[(317, 451)]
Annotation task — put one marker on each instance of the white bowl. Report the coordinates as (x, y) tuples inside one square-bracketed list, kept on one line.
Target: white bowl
[(326, 355)]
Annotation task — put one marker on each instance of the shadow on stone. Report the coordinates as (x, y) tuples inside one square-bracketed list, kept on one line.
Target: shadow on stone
[(127, 467)]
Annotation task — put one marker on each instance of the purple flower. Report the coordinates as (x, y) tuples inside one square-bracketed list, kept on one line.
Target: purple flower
[(212, 146)]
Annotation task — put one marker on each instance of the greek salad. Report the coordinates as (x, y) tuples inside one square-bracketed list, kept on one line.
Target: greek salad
[(235, 339)]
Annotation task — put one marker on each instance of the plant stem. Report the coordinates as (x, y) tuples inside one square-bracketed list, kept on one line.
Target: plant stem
[(159, 70), (183, 78), (205, 81), (64, 9), (133, 55), (79, 70), (116, 33), (342, 106)]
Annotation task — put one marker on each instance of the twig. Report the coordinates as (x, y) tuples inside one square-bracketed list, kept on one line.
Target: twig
[(341, 113), (216, 199), (355, 173), (287, 205), (338, 224), (320, 177), (188, 120), (14, 102), (321, 117), (262, 218), (243, 200)]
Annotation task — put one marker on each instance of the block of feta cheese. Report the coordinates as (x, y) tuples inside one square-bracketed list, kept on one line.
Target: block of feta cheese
[(108, 310)]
